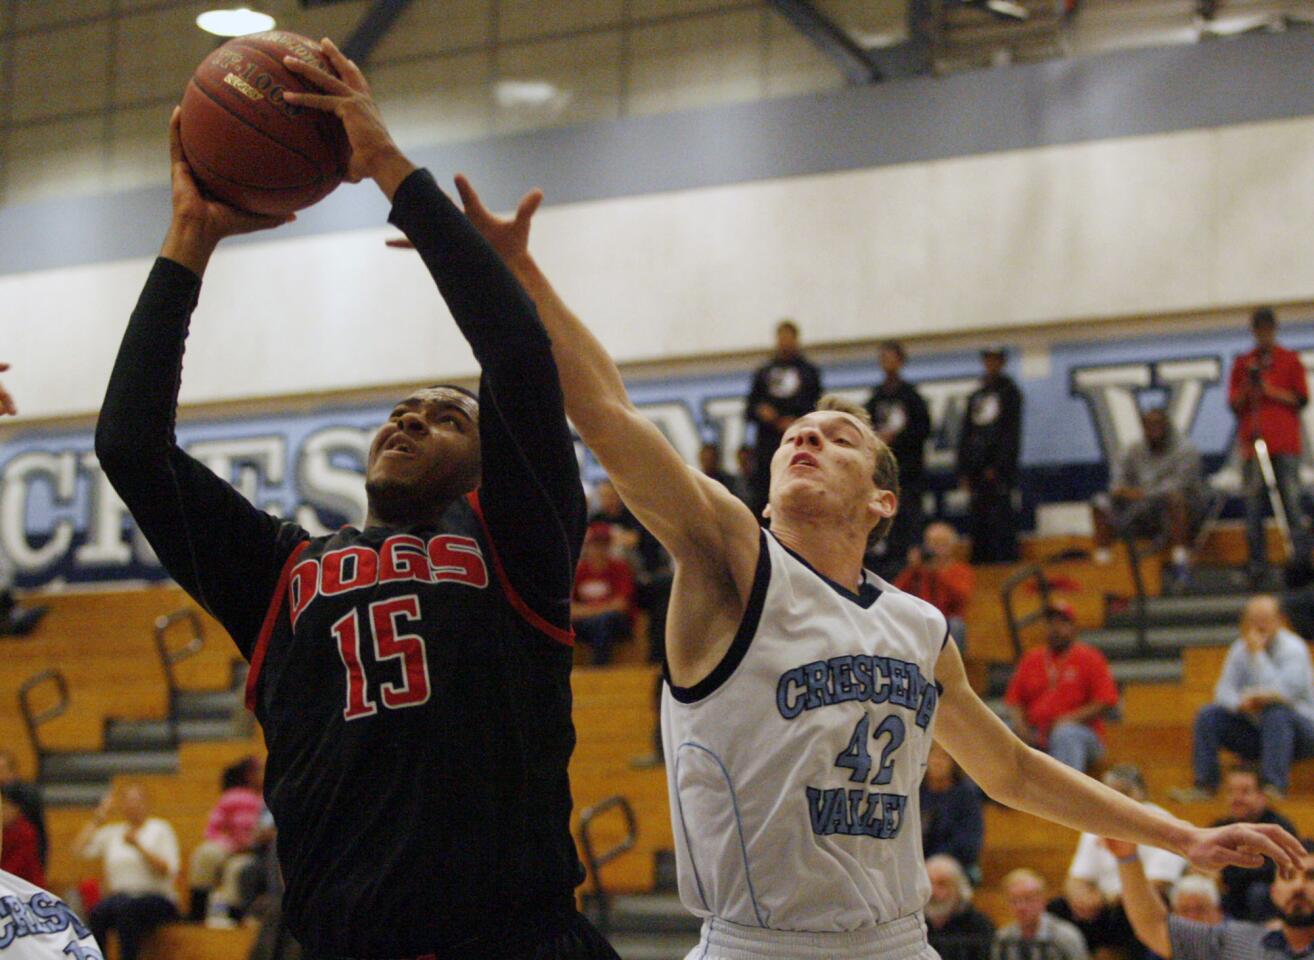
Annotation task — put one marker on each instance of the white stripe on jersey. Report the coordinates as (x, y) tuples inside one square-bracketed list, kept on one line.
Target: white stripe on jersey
[(793, 769)]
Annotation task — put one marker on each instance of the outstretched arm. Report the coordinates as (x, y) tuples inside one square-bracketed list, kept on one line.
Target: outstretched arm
[(700, 522), (1028, 780)]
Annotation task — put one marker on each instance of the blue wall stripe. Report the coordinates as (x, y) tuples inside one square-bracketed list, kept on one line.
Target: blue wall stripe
[(1128, 93)]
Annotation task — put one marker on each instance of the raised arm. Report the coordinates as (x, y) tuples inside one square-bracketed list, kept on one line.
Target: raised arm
[(223, 551), (1033, 782), (530, 495), (702, 524)]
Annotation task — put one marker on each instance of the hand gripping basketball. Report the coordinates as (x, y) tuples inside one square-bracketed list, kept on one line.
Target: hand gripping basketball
[(347, 96)]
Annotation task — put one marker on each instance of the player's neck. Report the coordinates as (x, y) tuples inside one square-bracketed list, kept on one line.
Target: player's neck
[(835, 554), (430, 518)]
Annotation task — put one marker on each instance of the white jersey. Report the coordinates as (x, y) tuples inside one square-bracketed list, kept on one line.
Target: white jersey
[(794, 767), (36, 925)]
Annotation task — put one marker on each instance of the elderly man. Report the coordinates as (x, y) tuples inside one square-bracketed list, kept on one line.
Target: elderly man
[(1195, 897), (1157, 487), (1060, 692), (1175, 937), (955, 928), (1263, 705), (1034, 932)]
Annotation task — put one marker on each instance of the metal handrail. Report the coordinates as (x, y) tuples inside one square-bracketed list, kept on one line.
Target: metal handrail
[(169, 657), (596, 861), (1031, 572), (1142, 597), (35, 720)]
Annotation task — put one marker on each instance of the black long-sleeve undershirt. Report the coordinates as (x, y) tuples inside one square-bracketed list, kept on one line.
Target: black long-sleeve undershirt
[(228, 555)]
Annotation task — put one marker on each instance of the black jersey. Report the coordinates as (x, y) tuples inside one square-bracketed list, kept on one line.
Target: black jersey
[(413, 684)]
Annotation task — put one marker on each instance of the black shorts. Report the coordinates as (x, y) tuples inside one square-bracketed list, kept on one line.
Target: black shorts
[(570, 937)]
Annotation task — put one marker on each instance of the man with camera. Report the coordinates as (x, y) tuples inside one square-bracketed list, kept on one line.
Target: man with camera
[(1267, 391)]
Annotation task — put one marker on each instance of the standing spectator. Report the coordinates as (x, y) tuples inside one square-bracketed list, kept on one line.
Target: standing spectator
[(648, 560), (1263, 705), (19, 854), (709, 461), (902, 420), (1245, 889), (1059, 693), (139, 856), (956, 930), (952, 823), (935, 574), (1034, 934), (989, 448), (1178, 938), (1157, 487), (784, 388), (230, 831), (1267, 391), (1195, 897), (24, 795), (602, 609)]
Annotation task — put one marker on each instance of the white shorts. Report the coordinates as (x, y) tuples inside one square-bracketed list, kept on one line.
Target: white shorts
[(902, 939)]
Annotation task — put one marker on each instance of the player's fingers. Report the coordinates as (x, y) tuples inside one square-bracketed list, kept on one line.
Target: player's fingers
[(3, 366), (1259, 842), (175, 135), (316, 101), (528, 204), (1293, 849), (474, 207), (399, 243), (346, 67), (320, 78)]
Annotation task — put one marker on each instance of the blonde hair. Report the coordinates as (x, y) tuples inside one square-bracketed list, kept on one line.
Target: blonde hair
[(886, 472)]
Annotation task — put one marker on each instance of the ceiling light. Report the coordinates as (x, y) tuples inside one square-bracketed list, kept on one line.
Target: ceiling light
[(525, 93), (234, 23), (1007, 8)]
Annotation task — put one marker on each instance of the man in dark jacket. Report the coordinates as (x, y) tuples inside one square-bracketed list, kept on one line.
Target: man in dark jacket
[(903, 421), (784, 388), (989, 448)]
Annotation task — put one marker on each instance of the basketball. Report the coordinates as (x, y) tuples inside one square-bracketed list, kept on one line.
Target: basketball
[(248, 146)]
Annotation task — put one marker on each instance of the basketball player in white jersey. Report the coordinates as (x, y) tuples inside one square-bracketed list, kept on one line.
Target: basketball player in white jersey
[(802, 689), (36, 924)]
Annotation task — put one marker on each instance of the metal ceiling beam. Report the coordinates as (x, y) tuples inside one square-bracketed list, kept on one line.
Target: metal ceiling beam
[(854, 62), (373, 26)]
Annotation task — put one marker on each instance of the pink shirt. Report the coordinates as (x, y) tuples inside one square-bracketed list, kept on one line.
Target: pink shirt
[(233, 820)]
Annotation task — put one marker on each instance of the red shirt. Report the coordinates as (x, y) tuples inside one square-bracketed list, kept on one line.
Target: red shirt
[(18, 852), (948, 588), (608, 582), (1046, 686), (1279, 423)]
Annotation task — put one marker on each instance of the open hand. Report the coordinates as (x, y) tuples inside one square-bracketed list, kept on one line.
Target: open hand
[(347, 96), (509, 236), (1244, 845)]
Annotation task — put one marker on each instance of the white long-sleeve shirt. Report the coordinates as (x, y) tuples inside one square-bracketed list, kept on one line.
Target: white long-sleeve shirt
[(126, 870), (1283, 668)]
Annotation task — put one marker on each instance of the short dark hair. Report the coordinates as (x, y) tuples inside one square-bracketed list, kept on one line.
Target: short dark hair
[(789, 325), (1263, 317), (895, 347)]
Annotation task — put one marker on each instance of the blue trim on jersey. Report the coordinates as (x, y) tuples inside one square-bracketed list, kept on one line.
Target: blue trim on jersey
[(743, 637), (739, 825), (868, 593)]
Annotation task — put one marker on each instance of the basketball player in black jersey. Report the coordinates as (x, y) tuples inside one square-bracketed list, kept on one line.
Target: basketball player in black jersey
[(412, 677)]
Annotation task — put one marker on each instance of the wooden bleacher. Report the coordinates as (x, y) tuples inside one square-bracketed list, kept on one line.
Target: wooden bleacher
[(103, 644)]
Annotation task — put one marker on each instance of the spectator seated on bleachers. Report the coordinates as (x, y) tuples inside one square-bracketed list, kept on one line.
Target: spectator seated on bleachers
[(650, 563), (1195, 897), (1102, 924), (602, 609), (1060, 692), (952, 823), (935, 574), (27, 798), (1263, 705), (1156, 490), (139, 861), (955, 928), (1245, 890), (19, 851), (1034, 934), (219, 859)]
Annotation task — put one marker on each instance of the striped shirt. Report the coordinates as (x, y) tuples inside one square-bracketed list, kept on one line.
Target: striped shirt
[(1229, 940)]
